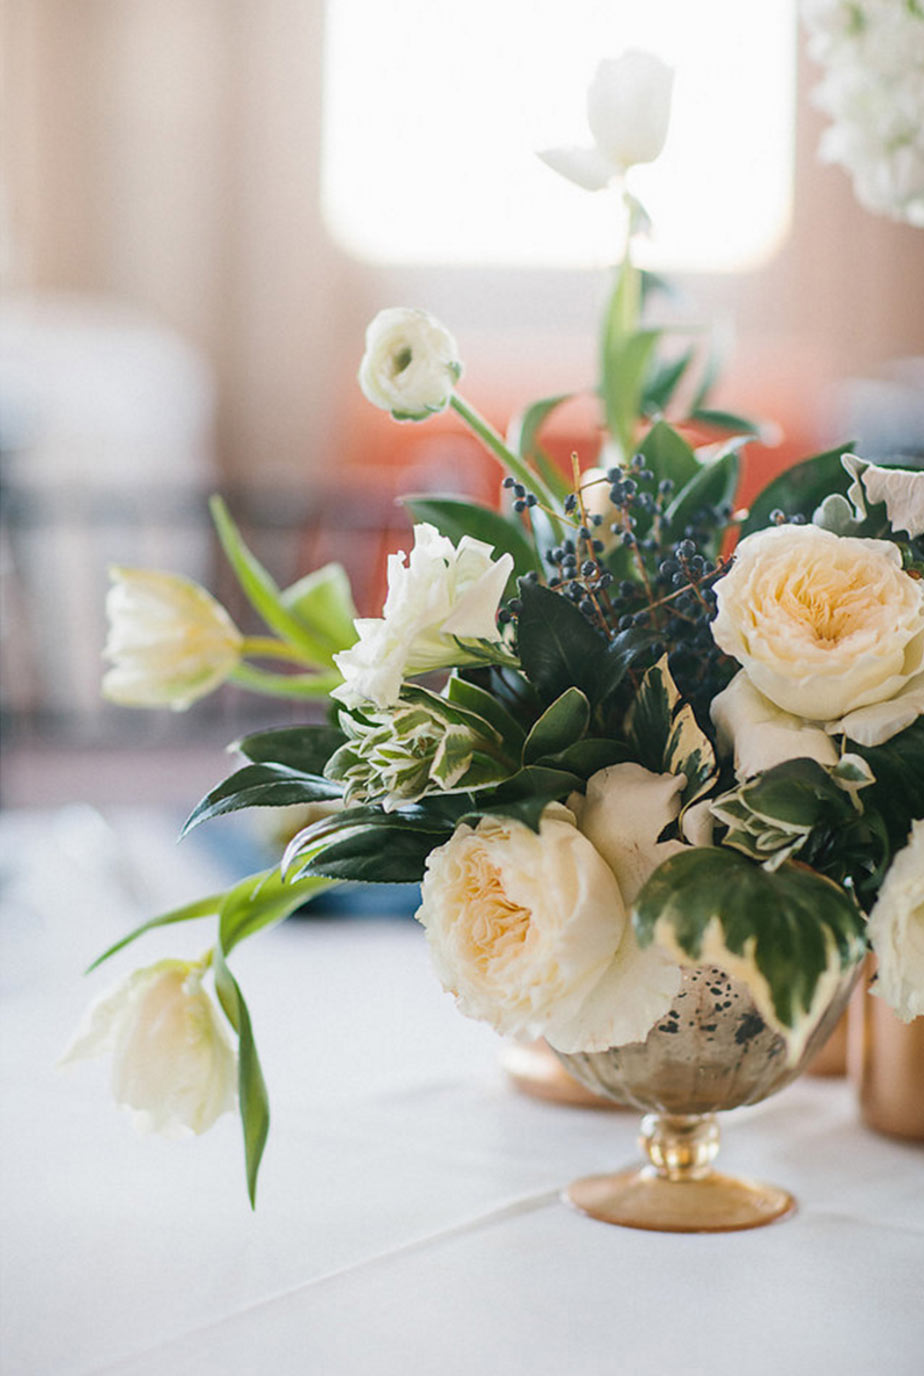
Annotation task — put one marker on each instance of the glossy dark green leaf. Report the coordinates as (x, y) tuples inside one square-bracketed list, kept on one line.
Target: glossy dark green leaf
[(800, 489), (261, 785), (468, 695), (561, 724), (587, 756), (558, 647), (898, 792), (303, 748), (374, 855), (669, 455)]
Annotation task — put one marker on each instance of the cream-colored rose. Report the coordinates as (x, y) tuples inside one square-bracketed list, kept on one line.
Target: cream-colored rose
[(896, 930), (411, 364), (531, 934), (628, 110), (824, 624), (759, 735), (169, 641), (173, 1063), (443, 594)]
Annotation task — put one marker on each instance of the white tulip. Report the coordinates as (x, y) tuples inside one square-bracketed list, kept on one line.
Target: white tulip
[(444, 594), (411, 364), (169, 641), (824, 625), (173, 1064), (628, 110), (896, 930)]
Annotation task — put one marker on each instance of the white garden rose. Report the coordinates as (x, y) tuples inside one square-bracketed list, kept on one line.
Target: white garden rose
[(173, 1063), (824, 625), (442, 595), (411, 364), (896, 930), (759, 735), (531, 934), (628, 110), (169, 641)]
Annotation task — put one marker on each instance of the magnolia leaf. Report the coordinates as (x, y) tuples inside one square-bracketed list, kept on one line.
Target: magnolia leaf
[(560, 725), (800, 489), (375, 854), (558, 647), (898, 791), (788, 934), (261, 785), (303, 748)]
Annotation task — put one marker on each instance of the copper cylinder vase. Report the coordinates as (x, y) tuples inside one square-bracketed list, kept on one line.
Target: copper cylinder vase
[(885, 1061)]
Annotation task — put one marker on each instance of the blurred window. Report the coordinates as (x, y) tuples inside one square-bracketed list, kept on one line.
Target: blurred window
[(433, 111)]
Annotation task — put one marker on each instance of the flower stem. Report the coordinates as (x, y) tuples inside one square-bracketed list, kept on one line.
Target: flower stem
[(505, 456), (266, 647)]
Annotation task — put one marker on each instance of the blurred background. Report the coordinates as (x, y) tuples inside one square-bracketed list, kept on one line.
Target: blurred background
[(202, 204)]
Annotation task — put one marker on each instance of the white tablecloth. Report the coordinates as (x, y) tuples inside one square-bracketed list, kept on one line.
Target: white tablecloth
[(408, 1218)]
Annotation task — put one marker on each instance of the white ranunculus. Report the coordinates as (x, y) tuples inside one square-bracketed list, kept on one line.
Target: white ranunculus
[(902, 490), (411, 363), (169, 641), (442, 595), (628, 110), (759, 735), (531, 934), (173, 1063), (824, 624), (896, 930)]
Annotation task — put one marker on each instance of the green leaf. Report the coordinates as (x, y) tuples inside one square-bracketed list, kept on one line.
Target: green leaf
[(667, 736), (664, 381), (303, 748), (376, 855), (713, 486), (586, 757), (800, 489), (323, 601), (898, 792), (455, 518), (261, 785), (523, 439), (669, 455), (782, 931), (263, 900), (262, 592), (201, 907), (296, 686), (558, 648), (560, 725), (726, 420), (251, 1086), (625, 357), (483, 704)]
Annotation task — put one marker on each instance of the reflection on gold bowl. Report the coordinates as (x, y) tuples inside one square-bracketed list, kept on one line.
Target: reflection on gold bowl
[(712, 1051)]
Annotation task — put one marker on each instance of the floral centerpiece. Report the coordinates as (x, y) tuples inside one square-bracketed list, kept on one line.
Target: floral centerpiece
[(617, 727)]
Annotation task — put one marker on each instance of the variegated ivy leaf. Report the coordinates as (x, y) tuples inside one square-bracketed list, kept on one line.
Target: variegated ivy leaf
[(789, 935), (772, 816), (667, 736)]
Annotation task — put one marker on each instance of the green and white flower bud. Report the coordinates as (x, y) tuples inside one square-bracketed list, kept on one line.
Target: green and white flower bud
[(396, 756)]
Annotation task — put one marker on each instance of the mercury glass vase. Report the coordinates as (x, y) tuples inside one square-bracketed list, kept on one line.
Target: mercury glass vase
[(712, 1051)]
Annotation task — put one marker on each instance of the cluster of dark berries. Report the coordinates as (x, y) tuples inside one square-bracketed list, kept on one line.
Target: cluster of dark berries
[(522, 498)]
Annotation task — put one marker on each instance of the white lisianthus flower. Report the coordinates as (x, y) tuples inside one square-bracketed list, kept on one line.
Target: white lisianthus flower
[(169, 641), (824, 625), (896, 930), (902, 490), (759, 735), (628, 110), (442, 595), (531, 934), (411, 364), (173, 1063)]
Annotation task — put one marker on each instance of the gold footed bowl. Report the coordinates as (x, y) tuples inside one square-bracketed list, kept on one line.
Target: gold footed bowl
[(712, 1051)]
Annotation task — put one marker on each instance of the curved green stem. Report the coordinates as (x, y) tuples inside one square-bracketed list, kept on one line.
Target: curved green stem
[(505, 456), (266, 647), (285, 685)]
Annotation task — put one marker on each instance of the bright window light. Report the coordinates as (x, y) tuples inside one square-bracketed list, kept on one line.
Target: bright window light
[(433, 111)]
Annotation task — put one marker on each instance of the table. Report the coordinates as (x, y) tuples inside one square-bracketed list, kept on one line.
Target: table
[(408, 1217)]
